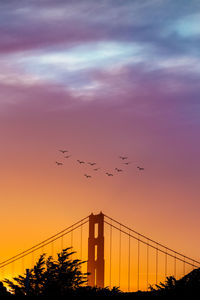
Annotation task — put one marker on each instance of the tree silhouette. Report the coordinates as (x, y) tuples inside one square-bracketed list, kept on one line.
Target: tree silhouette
[(188, 284), (3, 290), (169, 285), (63, 277), (50, 277)]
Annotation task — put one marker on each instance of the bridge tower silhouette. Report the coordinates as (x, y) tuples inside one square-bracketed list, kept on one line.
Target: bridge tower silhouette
[(96, 250)]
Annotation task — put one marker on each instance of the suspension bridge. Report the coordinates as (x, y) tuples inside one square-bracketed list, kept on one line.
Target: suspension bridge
[(115, 255)]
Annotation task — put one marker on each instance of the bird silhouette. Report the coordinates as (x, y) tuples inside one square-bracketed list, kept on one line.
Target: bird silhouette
[(123, 157), (109, 174), (96, 169), (87, 176), (59, 163), (91, 164), (67, 156), (127, 163), (118, 170), (80, 161), (140, 169), (63, 151)]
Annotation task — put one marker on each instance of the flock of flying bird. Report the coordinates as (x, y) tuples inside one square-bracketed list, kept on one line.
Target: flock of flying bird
[(93, 164)]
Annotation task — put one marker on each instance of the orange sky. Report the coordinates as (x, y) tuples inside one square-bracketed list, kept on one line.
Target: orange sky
[(40, 198)]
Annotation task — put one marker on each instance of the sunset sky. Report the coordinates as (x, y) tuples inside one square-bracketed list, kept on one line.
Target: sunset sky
[(101, 79)]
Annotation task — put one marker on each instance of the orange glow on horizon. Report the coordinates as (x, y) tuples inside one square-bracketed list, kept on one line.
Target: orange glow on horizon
[(121, 270)]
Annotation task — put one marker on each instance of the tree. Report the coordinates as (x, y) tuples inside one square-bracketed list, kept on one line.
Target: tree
[(189, 284), (3, 290), (169, 285), (50, 277)]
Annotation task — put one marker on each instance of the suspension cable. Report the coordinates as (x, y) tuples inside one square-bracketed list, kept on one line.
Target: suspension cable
[(32, 249), (154, 247), (175, 265), (81, 241), (52, 249), (153, 241), (156, 264), (13, 269), (110, 252), (22, 264), (119, 256), (41, 243), (147, 265), (33, 258), (129, 261), (72, 236), (166, 263), (61, 242), (138, 279)]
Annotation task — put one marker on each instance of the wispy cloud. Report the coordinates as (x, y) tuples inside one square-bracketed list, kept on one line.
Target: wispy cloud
[(94, 49)]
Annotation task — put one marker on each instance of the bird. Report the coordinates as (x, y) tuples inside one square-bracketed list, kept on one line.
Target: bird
[(59, 163), (127, 163), (118, 170), (96, 169), (123, 157), (109, 174), (80, 161), (91, 164), (140, 169), (87, 176), (67, 156), (63, 151)]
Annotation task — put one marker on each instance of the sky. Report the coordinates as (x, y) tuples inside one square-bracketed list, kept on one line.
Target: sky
[(101, 79)]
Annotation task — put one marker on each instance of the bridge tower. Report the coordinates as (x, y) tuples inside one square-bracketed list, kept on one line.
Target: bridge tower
[(96, 261)]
